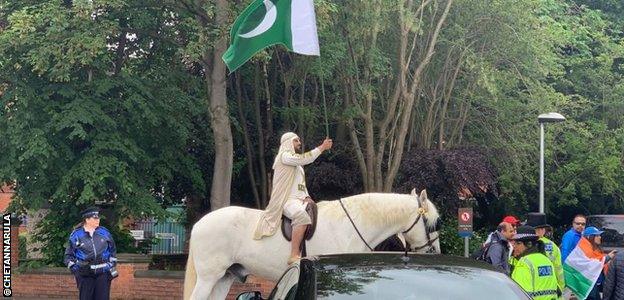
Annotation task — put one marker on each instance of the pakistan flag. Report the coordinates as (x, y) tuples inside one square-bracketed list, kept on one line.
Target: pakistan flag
[(264, 23)]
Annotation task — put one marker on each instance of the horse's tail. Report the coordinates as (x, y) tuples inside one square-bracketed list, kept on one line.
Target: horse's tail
[(190, 276)]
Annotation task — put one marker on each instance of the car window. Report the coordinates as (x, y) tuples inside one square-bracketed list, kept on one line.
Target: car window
[(613, 227), (286, 287), (416, 282)]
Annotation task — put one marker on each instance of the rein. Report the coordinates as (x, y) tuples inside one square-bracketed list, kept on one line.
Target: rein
[(421, 214), (355, 227), (429, 243)]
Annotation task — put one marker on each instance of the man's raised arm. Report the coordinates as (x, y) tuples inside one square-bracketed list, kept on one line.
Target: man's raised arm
[(296, 159)]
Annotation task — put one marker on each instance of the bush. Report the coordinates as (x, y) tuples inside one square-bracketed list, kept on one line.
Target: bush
[(23, 246)]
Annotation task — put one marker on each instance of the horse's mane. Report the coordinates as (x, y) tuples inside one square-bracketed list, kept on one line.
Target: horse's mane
[(379, 208)]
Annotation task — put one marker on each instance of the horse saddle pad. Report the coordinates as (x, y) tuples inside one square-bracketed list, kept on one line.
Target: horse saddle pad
[(287, 223)]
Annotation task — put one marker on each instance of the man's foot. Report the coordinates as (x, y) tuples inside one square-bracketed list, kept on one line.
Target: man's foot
[(293, 259)]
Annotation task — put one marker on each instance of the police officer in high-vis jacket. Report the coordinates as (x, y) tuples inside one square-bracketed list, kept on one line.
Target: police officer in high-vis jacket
[(91, 256), (533, 271), (538, 221)]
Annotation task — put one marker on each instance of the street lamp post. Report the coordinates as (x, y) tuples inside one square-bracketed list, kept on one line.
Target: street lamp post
[(545, 118)]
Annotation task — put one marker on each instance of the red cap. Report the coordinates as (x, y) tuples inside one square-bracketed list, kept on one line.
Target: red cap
[(511, 220)]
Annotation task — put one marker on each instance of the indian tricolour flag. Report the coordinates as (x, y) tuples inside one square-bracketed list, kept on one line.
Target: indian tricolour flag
[(582, 268), (263, 23)]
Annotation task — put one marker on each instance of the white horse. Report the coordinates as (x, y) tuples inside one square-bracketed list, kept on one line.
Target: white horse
[(222, 240)]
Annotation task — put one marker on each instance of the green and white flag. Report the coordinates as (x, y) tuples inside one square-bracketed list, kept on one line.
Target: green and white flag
[(264, 23)]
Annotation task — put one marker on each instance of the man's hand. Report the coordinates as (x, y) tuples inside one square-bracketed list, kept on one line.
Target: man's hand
[(308, 200), (612, 254), (327, 144)]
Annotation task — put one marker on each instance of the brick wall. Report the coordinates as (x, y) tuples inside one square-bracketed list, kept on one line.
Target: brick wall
[(6, 193), (14, 244), (134, 282), (47, 284)]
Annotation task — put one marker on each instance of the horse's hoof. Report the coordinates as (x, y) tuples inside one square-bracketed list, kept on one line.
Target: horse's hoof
[(293, 259)]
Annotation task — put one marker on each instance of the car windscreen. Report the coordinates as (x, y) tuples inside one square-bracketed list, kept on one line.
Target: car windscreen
[(415, 282), (613, 227)]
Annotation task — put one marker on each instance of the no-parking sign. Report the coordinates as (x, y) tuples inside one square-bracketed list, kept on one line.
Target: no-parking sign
[(464, 221)]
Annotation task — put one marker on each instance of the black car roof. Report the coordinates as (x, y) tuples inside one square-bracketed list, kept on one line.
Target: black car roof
[(332, 261)]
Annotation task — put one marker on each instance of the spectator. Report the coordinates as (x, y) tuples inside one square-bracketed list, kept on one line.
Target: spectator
[(498, 251), (572, 236), (613, 287), (512, 220), (538, 221), (592, 234), (532, 270), (508, 219)]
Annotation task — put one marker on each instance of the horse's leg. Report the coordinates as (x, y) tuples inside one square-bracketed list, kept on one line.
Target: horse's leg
[(205, 284), (210, 269), (222, 287)]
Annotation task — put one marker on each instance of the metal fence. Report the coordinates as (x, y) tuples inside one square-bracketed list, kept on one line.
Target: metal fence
[(167, 236)]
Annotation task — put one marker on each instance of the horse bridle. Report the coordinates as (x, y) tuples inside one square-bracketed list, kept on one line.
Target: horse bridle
[(421, 214)]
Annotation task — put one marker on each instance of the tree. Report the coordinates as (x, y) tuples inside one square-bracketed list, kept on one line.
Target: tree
[(204, 44), (380, 106), (96, 107)]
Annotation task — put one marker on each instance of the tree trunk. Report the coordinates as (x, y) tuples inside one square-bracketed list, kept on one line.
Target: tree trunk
[(220, 117), (410, 97), (262, 142), (248, 152)]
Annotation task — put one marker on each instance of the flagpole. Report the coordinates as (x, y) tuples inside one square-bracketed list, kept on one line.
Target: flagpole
[(324, 101)]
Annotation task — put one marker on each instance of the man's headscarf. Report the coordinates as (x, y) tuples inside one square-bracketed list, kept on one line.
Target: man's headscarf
[(286, 144)]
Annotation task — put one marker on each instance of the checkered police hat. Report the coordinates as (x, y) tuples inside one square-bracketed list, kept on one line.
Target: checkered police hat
[(90, 212), (525, 233)]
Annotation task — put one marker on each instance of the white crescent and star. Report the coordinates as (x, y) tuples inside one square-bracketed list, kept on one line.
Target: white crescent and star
[(266, 23)]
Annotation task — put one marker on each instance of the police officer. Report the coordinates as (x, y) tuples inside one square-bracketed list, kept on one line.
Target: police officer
[(91, 256), (533, 271), (538, 221)]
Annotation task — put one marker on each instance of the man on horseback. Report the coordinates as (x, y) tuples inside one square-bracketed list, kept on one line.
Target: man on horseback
[(289, 195)]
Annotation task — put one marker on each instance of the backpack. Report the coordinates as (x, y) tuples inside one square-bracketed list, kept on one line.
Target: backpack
[(481, 253)]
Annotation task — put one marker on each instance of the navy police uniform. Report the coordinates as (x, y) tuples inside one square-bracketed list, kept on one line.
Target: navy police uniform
[(92, 259)]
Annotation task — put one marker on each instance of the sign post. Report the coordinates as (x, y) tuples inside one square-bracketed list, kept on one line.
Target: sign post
[(464, 221)]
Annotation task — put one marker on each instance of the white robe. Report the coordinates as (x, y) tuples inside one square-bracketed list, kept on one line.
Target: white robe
[(284, 173)]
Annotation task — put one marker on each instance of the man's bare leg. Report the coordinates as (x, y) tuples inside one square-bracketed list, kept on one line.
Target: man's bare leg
[(297, 237)]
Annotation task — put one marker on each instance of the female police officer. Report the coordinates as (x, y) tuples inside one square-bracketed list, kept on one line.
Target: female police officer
[(91, 256), (532, 269)]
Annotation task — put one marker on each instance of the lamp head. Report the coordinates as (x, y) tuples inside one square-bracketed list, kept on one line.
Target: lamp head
[(551, 117)]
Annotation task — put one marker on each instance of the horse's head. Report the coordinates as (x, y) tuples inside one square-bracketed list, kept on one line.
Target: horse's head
[(422, 234)]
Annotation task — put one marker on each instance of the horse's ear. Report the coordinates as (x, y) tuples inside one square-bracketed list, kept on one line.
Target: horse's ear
[(413, 193), (423, 196)]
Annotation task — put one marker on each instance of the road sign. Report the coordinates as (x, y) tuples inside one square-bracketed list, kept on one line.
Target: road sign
[(464, 221), (138, 234)]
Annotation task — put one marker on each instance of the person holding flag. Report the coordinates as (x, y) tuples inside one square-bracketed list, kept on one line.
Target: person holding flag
[(583, 268), (289, 194)]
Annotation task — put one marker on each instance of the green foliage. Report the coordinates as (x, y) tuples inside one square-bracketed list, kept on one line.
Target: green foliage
[(84, 121), (452, 243), (23, 244)]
